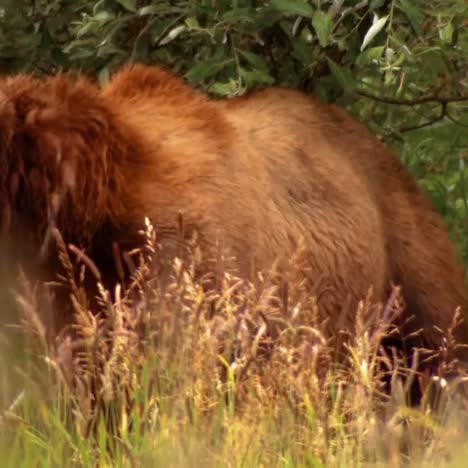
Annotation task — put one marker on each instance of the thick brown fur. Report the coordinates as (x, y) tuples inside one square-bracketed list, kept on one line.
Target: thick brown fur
[(255, 174)]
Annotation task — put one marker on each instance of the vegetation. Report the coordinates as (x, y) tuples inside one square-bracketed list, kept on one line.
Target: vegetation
[(240, 375), (243, 377)]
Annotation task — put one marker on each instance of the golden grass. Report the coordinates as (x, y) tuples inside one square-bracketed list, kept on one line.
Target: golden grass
[(233, 375)]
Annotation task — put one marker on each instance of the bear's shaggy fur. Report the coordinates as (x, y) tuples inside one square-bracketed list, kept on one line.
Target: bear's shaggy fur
[(253, 174)]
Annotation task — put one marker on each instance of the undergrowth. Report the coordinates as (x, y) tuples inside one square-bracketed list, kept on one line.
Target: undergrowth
[(192, 372)]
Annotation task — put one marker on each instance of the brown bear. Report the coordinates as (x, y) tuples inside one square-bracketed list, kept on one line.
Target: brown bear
[(253, 174)]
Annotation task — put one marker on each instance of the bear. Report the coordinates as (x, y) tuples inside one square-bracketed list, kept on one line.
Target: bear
[(251, 175)]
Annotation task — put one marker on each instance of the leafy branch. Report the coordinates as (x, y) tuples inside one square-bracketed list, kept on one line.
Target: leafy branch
[(442, 100)]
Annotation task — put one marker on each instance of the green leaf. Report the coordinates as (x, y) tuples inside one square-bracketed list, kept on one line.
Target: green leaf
[(224, 89), (376, 27), (342, 75), (85, 29), (255, 60), (295, 7), (239, 14), (257, 77), (79, 44), (129, 5), (370, 55), (149, 10), (302, 50), (414, 14), (446, 33), (376, 4), (203, 70), (173, 34), (103, 16), (322, 23), (389, 77), (192, 22), (98, 6)]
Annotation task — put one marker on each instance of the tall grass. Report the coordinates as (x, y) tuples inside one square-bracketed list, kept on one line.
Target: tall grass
[(232, 374)]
